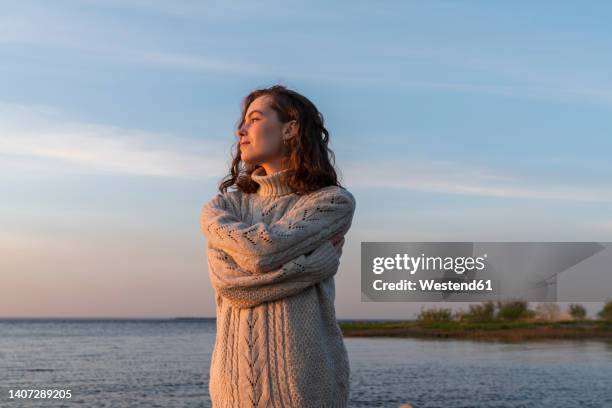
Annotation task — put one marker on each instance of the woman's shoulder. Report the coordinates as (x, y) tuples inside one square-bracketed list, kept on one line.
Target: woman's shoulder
[(235, 198), (225, 199), (333, 194), (234, 195), (334, 190)]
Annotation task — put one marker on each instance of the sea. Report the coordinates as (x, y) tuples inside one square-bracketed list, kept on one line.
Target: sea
[(165, 363)]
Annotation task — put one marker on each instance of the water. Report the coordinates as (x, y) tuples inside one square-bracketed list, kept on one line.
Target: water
[(164, 363)]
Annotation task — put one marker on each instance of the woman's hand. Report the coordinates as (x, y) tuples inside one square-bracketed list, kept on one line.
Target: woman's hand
[(242, 289), (321, 215)]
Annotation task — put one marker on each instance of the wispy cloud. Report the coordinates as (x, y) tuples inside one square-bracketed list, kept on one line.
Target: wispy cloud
[(218, 11), (192, 62), (447, 177), (531, 74), (42, 141), (526, 76), (116, 44)]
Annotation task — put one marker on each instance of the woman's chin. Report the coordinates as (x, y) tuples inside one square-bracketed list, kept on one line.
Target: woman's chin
[(251, 161)]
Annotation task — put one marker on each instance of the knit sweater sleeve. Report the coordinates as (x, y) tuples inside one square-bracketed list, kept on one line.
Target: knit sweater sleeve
[(242, 289), (316, 217)]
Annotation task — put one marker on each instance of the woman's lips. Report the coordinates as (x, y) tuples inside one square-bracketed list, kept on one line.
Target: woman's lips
[(244, 143)]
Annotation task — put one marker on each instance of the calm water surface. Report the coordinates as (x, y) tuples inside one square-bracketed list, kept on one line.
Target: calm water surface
[(164, 363)]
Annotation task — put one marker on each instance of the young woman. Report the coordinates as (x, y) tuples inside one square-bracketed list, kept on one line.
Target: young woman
[(274, 245)]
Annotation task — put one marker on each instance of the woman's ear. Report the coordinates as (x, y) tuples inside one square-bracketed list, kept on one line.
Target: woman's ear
[(292, 129)]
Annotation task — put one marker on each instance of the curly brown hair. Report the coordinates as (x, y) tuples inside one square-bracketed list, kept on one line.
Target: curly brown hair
[(310, 159)]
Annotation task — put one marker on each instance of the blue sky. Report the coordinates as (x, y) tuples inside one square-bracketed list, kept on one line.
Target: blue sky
[(475, 121)]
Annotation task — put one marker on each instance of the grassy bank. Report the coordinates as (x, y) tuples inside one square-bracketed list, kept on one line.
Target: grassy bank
[(510, 331)]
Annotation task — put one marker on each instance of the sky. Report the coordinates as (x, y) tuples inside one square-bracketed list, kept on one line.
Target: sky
[(450, 121)]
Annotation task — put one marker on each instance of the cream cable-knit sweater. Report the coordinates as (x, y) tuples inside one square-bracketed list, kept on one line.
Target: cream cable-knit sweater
[(272, 261)]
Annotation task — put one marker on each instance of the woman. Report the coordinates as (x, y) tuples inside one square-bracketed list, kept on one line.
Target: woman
[(273, 249)]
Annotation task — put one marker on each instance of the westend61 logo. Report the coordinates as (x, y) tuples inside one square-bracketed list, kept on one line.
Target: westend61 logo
[(479, 271)]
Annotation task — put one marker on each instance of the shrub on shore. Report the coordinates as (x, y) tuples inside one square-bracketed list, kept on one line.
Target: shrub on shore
[(478, 313), (435, 315), (513, 310), (578, 312), (606, 312)]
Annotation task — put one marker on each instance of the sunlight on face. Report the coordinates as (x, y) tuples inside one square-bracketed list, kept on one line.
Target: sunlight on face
[(260, 135)]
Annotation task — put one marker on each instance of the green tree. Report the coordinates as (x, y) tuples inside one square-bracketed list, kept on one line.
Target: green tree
[(515, 309), (484, 312), (606, 312), (577, 311)]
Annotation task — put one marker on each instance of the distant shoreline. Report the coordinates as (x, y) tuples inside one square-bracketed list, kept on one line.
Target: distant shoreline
[(486, 331), (507, 331)]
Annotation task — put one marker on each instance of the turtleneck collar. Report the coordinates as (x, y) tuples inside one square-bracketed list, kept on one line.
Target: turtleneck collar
[(274, 184)]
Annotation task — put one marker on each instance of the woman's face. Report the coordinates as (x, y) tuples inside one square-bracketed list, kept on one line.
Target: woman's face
[(261, 134)]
